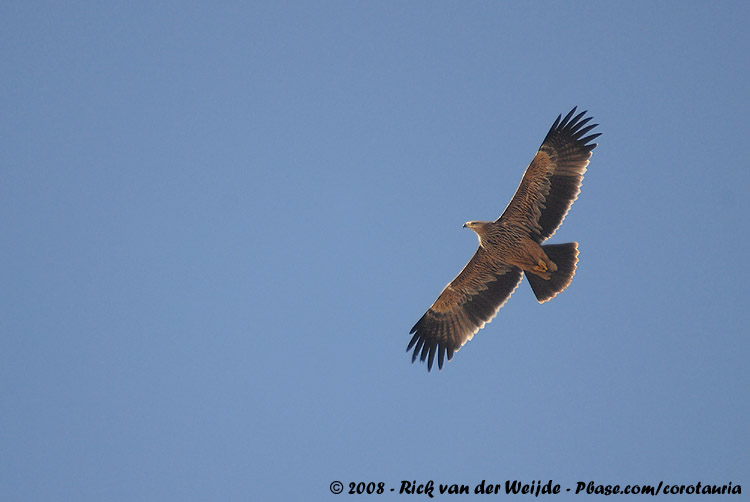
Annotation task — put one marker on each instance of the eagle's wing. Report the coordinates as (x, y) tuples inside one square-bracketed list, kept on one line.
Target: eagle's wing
[(553, 179), (470, 301)]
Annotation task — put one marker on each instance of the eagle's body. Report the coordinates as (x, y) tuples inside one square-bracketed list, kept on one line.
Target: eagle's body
[(503, 239), (512, 245)]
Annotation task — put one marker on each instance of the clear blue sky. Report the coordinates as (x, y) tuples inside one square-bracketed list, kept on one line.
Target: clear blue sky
[(220, 221)]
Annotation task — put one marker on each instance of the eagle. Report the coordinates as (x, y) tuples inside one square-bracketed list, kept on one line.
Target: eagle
[(512, 245)]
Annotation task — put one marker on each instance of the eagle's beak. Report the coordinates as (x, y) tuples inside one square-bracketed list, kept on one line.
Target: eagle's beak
[(464, 225)]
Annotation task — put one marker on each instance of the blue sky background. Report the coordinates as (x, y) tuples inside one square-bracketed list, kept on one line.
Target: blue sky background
[(220, 221)]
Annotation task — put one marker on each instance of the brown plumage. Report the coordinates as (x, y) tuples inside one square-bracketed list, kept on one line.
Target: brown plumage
[(512, 245)]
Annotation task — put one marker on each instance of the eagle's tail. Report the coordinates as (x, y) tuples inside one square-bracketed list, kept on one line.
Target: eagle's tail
[(565, 257)]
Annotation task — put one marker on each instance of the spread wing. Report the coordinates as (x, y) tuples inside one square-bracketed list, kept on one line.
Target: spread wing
[(553, 179), (470, 301)]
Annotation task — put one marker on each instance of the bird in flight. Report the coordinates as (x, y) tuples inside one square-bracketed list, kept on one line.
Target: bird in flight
[(512, 245)]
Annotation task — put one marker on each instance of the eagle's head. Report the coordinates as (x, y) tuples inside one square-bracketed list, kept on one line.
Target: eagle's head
[(476, 225), (479, 227)]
